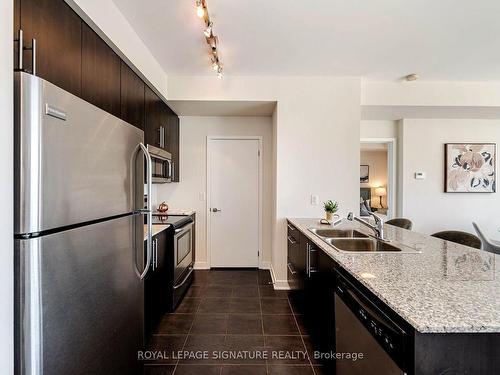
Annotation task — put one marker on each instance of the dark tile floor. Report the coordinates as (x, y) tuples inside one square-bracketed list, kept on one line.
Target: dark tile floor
[(233, 322)]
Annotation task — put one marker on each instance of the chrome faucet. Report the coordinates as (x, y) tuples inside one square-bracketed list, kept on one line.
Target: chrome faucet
[(378, 228)]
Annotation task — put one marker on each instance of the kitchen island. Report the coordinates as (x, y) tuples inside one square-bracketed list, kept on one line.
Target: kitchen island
[(445, 296)]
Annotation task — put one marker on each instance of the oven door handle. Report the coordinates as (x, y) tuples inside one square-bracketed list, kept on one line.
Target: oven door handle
[(191, 269), (185, 228)]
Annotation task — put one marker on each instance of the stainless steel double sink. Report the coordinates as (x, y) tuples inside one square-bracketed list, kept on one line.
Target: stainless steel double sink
[(351, 240)]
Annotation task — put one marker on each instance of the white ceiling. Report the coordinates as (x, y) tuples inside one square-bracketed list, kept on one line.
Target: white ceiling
[(378, 39), (222, 108)]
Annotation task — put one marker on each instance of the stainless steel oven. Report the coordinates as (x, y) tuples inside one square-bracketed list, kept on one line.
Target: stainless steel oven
[(162, 168)]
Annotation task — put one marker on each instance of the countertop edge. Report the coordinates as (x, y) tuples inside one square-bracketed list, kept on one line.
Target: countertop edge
[(423, 329)]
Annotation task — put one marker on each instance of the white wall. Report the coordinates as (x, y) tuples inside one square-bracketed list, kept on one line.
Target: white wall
[(424, 201), (317, 140), (429, 93), (377, 160), (114, 28), (193, 168), (378, 129), (6, 193)]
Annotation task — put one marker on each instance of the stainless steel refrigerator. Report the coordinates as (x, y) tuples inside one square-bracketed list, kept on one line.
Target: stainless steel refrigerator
[(79, 235)]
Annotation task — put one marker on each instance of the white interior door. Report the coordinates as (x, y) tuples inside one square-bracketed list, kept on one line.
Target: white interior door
[(234, 202)]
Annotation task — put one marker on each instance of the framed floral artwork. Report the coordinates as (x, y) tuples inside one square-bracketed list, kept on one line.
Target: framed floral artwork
[(470, 168)]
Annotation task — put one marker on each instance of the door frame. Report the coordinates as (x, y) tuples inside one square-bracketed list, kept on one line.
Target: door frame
[(391, 171), (211, 138)]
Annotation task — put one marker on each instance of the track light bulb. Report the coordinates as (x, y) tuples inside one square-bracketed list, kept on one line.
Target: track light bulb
[(200, 9), (208, 30), (200, 12)]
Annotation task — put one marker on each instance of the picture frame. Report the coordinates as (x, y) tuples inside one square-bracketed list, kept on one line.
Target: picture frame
[(470, 167), (364, 173)]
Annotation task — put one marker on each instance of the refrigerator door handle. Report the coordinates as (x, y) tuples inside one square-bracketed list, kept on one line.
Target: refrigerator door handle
[(148, 211)]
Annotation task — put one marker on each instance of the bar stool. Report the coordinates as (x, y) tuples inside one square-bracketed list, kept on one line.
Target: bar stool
[(488, 245), (401, 223), (459, 237)]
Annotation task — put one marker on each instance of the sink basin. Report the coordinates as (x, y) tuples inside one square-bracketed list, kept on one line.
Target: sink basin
[(337, 233), (361, 245)]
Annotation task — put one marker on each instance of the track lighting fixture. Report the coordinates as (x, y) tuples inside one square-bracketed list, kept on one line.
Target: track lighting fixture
[(212, 40)]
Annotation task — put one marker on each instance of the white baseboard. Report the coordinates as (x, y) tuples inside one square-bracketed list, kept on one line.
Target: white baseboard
[(265, 265), (201, 266), (279, 284)]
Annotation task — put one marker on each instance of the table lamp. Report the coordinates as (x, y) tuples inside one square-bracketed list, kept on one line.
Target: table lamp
[(381, 192)]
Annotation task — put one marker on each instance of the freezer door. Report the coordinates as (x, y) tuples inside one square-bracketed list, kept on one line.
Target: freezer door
[(73, 161), (79, 300)]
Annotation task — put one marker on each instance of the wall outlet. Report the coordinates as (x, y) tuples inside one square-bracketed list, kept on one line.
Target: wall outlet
[(420, 175), (202, 196), (315, 200)]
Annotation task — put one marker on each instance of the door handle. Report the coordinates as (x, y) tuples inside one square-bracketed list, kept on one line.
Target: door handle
[(216, 210)]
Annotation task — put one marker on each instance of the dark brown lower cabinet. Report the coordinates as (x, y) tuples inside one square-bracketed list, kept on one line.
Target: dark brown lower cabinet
[(155, 286)]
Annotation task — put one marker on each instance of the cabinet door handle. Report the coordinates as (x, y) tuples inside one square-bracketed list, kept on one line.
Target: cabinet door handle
[(33, 56), (21, 49), (173, 171), (291, 240), (153, 260), (290, 268), (156, 254), (290, 227)]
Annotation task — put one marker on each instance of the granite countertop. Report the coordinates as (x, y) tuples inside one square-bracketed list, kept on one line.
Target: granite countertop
[(157, 228), (175, 212), (446, 287)]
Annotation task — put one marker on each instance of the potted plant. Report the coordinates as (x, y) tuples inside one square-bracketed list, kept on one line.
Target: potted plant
[(331, 208)]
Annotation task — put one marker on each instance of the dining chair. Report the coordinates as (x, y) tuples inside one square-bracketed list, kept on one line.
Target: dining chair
[(459, 237), (401, 223), (488, 245)]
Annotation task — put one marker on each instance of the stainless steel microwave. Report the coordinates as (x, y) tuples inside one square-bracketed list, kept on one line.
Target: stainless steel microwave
[(162, 167)]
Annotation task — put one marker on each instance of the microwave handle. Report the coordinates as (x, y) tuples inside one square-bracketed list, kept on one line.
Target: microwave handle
[(170, 169)]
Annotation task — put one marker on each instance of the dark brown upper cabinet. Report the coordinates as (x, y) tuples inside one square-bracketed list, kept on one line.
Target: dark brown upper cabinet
[(58, 33), (132, 97), (172, 135), (17, 26), (100, 72), (155, 118)]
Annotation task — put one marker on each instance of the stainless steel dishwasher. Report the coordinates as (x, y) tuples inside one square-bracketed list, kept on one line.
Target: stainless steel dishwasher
[(361, 327)]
